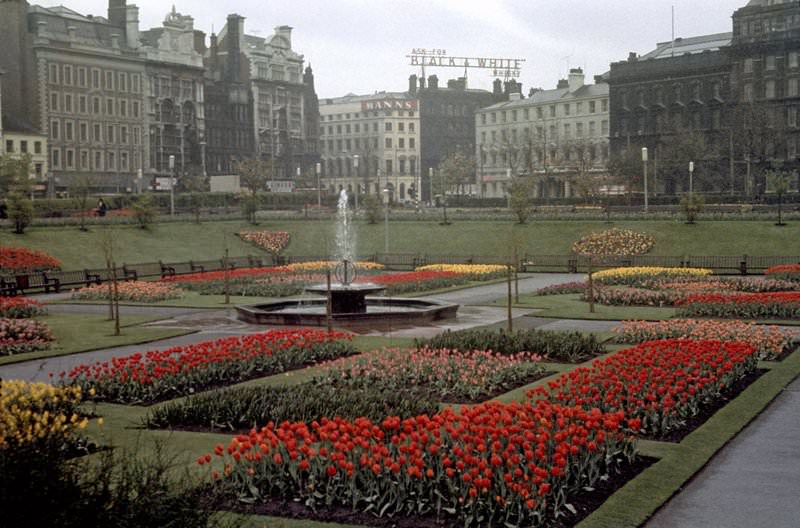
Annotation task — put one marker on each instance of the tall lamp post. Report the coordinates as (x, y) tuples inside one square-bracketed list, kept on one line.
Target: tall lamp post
[(319, 190), (172, 185), (644, 165), (691, 177), (430, 185), (386, 221), (358, 184)]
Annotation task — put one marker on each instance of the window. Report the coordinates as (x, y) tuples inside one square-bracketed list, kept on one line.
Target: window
[(412, 143), (388, 142), (494, 117), (109, 81), (96, 105), (70, 159), (483, 119), (527, 114), (389, 167), (401, 127), (123, 108), (123, 160), (401, 143), (411, 127), (402, 166), (53, 74), (552, 110), (604, 105), (135, 108), (55, 158), (540, 113), (123, 134), (136, 133), (791, 116), (97, 135), (592, 128), (96, 79), (579, 130), (769, 89), (135, 83), (112, 162), (513, 115), (54, 102), (110, 133), (83, 132), (793, 62), (747, 92), (37, 147), (68, 103), (68, 135), (567, 109), (791, 88), (9, 145), (567, 130), (82, 104), (37, 169), (770, 63), (82, 77), (748, 66), (98, 161), (54, 126), (604, 127), (109, 107), (388, 126), (84, 159), (579, 108)]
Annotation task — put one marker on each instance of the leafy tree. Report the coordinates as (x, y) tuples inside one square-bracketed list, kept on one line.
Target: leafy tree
[(195, 183), (456, 172), (254, 175), (14, 173), (520, 197), (80, 188), (372, 208), (20, 211), (758, 132), (675, 153), (778, 181), (144, 210), (626, 168), (692, 204)]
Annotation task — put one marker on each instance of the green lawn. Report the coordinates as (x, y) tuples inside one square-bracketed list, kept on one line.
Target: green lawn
[(81, 332), (570, 306), (183, 241)]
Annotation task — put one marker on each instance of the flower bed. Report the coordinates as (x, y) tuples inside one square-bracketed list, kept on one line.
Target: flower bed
[(257, 282), (634, 276), (416, 281), (488, 465), (36, 412), (272, 241), (242, 408), (618, 242), (623, 296), (769, 341), (134, 291), (18, 336), (20, 308), (322, 265), (563, 288), (444, 375), (658, 384), (473, 271), (571, 347), (22, 260), (790, 272), (785, 305), (178, 371)]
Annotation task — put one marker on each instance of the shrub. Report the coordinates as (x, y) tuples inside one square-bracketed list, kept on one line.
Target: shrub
[(243, 408), (20, 308), (24, 260), (144, 211), (570, 347), (19, 336)]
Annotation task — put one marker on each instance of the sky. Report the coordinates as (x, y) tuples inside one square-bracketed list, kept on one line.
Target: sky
[(360, 46)]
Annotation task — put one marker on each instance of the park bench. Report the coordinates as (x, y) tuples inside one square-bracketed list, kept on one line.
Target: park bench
[(196, 268), (91, 277), (8, 288), (48, 281), (166, 271), (129, 274)]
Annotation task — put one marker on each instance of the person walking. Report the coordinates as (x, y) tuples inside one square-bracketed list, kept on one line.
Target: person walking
[(101, 208)]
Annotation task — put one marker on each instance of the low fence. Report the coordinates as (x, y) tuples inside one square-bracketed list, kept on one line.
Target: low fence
[(54, 281)]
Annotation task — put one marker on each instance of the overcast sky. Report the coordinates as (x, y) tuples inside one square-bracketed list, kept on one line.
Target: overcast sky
[(360, 46)]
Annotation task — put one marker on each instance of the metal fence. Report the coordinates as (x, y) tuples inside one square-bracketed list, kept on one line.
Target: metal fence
[(54, 281)]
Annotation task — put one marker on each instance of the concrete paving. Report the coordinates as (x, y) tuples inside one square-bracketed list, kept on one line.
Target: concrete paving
[(754, 482)]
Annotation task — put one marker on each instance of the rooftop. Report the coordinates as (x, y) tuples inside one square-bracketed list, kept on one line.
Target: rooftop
[(683, 46)]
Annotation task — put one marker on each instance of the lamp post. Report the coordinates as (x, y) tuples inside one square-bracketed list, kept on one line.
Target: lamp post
[(691, 177), (644, 165), (172, 185), (430, 185), (386, 221), (358, 185), (319, 195)]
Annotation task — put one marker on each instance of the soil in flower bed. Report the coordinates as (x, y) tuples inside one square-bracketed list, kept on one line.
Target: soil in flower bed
[(584, 503), (709, 409)]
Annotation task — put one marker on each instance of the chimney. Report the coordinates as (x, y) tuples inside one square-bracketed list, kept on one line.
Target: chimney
[(115, 41), (562, 83), (632, 57), (412, 84), (575, 79), (514, 96), (286, 33), (497, 87), (199, 42), (433, 82), (422, 83), (457, 84), (233, 38), (213, 49), (117, 13), (132, 26)]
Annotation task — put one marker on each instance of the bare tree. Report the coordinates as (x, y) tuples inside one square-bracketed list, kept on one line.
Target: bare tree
[(758, 133), (80, 188), (456, 171), (677, 150), (108, 245), (253, 174)]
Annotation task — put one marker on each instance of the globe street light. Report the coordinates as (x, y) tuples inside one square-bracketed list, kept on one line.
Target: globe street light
[(644, 164), (171, 185), (691, 177), (319, 196), (358, 185)]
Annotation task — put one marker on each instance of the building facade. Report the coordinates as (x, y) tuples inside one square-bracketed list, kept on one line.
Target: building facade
[(371, 143), (557, 137)]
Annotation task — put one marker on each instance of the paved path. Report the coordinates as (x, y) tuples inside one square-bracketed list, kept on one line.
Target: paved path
[(754, 482), (528, 283)]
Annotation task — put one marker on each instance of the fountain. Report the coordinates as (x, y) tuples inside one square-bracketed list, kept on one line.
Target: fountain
[(350, 305)]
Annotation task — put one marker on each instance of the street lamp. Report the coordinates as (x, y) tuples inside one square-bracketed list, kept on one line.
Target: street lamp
[(172, 185), (644, 164), (386, 221), (358, 185), (430, 185), (691, 177), (319, 196)]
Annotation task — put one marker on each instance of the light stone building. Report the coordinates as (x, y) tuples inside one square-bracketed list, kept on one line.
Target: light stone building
[(557, 137), (371, 143)]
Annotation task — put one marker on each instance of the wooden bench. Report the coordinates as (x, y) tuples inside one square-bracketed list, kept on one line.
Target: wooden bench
[(8, 288), (196, 268), (91, 278), (129, 274), (48, 281), (166, 271)]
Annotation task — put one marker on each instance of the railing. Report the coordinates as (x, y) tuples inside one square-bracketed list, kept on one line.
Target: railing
[(54, 281)]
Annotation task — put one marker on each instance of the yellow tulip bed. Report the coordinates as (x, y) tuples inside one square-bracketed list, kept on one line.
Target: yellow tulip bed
[(634, 276), (473, 271), (322, 265)]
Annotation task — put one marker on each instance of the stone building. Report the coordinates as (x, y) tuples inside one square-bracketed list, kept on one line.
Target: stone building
[(558, 137), (262, 103), (447, 120), (370, 143)]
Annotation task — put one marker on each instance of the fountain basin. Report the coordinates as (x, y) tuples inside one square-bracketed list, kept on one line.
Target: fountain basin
[(379, 312), (347, 298)]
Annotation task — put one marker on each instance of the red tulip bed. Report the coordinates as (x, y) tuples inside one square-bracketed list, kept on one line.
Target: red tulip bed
[(784, 272), (180, 371), (24, 260), (492, 464), (778, 305), (18, 334)]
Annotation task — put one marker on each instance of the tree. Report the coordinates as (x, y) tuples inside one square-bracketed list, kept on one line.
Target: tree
[(778, 181), (80, 188), (144, 210), (675, 153), (254, 175), (757, 132), (20, 211), (108, 246), (626, 168), (692, 204), (195, 183), (520, 197), (456, 171), (372, 208), (14, 173)]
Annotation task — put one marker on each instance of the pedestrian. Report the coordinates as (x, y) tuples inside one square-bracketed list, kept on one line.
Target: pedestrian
[(3, 209), (101, 208)]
